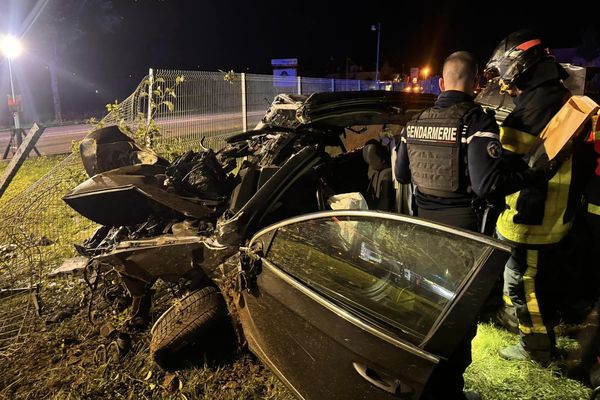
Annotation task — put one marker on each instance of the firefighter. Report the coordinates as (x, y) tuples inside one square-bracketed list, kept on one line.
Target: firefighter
[(452, 154), (537, 218)]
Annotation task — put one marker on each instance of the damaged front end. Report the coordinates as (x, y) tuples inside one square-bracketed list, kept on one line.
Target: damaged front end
[(184, 222)]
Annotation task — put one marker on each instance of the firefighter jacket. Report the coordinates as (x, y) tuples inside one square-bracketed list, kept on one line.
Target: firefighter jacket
[(452, 153), (541, 213)]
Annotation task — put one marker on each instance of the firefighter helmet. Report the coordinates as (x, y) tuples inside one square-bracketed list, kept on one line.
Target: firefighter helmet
[(515, 54)]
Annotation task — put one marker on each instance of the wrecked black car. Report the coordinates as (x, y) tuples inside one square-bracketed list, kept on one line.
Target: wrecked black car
[(290, 232)]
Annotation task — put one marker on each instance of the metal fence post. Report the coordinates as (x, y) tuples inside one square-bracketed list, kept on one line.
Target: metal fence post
[(151, 81), (358, 81), (333, 84), (244, 106), (299, 81)]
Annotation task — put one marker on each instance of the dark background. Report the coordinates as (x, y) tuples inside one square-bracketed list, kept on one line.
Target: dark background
[(103, 48)]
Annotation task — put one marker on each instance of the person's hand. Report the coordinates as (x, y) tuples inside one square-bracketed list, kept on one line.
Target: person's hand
[(547, 168), (552, 167)]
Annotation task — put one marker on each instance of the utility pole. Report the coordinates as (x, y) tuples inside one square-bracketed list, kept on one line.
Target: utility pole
[(15, 113), (347, 58), (378, 28)]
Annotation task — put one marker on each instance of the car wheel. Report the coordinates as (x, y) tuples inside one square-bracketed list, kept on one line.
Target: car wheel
[(186, 323)]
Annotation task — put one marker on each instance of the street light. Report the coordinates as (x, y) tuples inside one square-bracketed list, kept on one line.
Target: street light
[(12, 48), (426, 72), (378, 29)]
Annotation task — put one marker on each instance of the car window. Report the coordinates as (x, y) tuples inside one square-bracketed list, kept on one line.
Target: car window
[(356, 136), (391, 272)]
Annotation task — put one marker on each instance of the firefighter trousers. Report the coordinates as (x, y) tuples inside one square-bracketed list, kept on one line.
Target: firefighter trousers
[(531, 287)]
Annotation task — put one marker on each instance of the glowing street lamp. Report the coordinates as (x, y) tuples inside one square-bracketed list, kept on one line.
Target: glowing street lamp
[(11, 48), (426, 71)]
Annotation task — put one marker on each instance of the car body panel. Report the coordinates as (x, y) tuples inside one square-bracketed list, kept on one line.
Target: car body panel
[(129, 195), (108, 148), (343, 109), (146, 259), (367, 108), (324, 343)]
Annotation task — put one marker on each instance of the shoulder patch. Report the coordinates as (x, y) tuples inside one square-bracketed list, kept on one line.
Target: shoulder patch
[(494, 149)]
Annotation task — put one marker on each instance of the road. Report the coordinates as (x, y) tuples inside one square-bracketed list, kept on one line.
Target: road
[(54, 140), (57, 139)]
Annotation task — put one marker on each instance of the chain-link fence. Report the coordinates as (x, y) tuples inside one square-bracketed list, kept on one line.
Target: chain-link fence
[(38, 230), (213, 105)]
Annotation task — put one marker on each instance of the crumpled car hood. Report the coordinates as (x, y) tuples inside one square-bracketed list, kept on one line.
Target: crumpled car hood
[(129, 195)]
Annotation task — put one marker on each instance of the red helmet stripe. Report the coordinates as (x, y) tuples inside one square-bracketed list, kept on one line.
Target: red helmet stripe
[(529, 44)]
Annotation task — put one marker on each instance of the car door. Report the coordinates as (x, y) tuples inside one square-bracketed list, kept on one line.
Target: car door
[(362, 304)]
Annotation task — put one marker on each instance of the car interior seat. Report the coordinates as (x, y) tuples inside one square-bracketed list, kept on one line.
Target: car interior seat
[(252, 178), (245, 189), (380, 194)]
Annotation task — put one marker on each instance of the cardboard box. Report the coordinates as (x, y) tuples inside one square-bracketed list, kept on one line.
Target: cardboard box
[(567, 123)]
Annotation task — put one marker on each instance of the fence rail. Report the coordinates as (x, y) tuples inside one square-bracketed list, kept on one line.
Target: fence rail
[(213, 105)]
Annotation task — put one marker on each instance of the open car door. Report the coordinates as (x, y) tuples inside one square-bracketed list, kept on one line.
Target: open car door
[(362, 304)]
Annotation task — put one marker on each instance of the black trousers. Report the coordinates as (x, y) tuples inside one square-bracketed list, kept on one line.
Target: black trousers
[(447, 380), (460, 217)]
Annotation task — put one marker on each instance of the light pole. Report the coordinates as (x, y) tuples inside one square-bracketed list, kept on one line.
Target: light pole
[(12, 48), (378, 29)]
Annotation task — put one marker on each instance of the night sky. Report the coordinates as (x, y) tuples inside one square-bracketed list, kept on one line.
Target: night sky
[(107, 46)]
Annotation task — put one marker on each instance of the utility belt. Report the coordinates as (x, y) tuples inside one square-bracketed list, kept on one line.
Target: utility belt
[(486, 212), (440, 193)]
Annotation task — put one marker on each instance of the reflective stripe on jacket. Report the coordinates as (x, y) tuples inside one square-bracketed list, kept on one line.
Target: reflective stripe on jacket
[(535, 215)]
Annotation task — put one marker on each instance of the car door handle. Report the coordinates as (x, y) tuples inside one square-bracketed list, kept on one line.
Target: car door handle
[(377, 379)]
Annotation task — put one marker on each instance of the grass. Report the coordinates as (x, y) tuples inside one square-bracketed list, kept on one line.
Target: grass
[(38, 216), (32, 169), (60, 359), (496, 378)]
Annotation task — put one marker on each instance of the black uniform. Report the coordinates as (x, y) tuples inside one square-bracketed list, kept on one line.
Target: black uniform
[(452, 154)]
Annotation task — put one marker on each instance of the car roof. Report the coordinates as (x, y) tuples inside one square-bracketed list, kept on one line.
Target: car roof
[(341, 109)]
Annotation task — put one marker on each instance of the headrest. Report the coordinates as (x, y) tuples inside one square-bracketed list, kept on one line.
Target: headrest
[(376, 155)]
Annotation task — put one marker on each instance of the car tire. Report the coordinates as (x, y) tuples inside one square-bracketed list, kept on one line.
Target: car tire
[(188, 322)]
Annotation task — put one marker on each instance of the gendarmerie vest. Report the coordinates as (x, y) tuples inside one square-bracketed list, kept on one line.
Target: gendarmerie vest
[(436, 144)]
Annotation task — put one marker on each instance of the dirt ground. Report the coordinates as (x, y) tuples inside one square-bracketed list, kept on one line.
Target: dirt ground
[(67, 356)]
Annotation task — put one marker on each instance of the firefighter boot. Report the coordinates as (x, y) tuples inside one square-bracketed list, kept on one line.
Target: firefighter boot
[(471, 395), (519, 353)]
